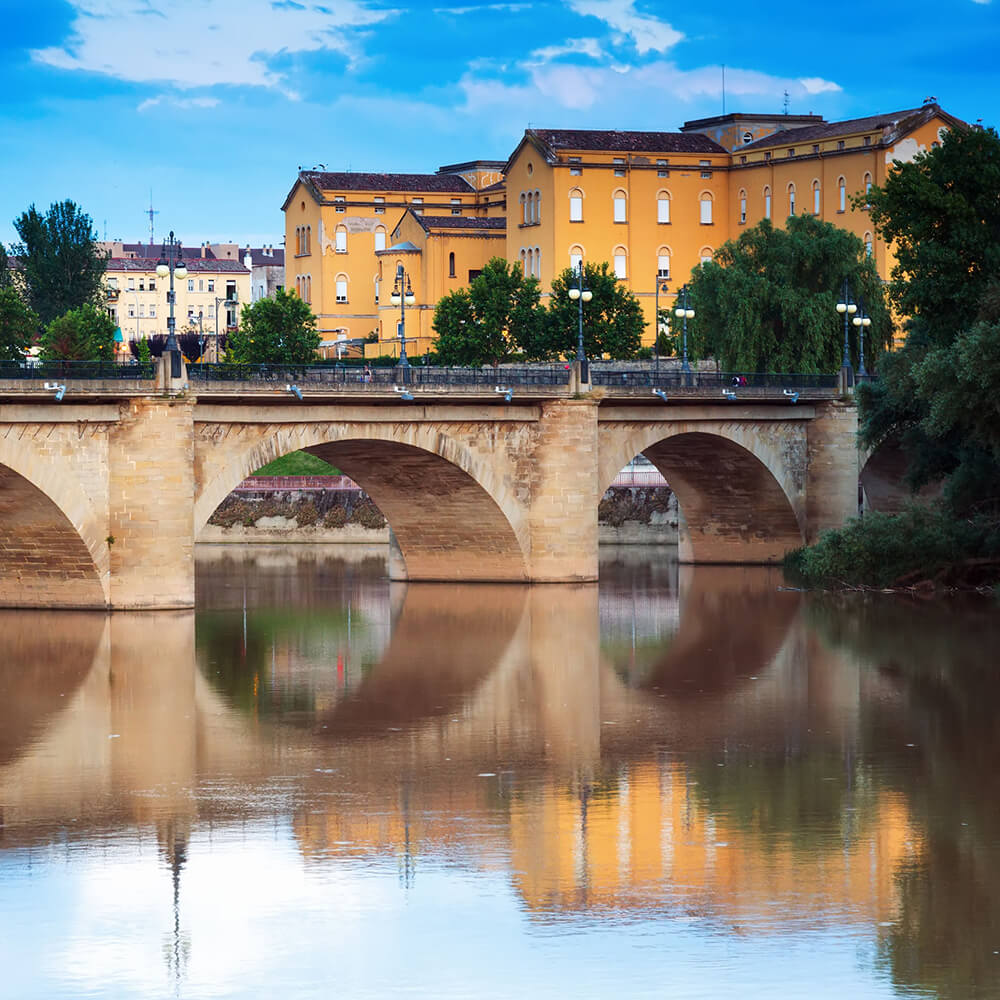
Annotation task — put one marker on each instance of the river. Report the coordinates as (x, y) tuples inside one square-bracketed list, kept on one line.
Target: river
[(683, 782)]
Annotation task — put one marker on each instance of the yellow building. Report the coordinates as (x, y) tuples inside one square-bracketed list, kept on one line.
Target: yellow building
[(207, 299), (653, 205)]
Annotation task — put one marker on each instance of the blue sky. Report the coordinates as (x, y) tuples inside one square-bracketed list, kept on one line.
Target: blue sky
[(214, 104)]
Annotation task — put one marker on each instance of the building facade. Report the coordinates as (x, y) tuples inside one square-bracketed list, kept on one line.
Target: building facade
[(653, 205)]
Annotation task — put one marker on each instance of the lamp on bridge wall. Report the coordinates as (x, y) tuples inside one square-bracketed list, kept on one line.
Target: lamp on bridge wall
[(402, 296), (581, 294), (847, 308), (172, 262), (661, 286), (862, 321)]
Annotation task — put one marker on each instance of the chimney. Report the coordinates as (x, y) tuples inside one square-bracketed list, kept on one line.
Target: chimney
[(203, 251)]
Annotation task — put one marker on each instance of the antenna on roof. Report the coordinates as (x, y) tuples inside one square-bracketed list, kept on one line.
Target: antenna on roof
[(786, 102), (151, 212)]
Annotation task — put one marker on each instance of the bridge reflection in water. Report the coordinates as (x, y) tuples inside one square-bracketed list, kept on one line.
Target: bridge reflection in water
[(690, 746)]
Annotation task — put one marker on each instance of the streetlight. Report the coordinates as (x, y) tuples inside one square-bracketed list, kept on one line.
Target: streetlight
[(402, 296), (172, 262), (682, 312), (847, 309), (861, 321), (579, 295), (661, 286), (227, 303)]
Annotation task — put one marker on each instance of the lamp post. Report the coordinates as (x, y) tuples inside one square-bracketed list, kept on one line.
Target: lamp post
[(682, 312), (227, 303), (661, 286), (847, 309), (402, 296), (861, 321), (172, 262), (580, 294)]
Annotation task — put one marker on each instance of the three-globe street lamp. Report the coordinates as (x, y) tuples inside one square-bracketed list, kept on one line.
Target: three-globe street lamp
[(661, 286), (862, 321), (402, 296), (847, 308), (172, 262), (580, 294), (683, 312)]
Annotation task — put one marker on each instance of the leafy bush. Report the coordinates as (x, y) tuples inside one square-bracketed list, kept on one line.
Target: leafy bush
[(335, 517), (879, 550), (367, 515)]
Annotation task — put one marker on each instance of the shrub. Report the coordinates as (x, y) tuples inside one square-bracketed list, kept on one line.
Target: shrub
[(367, 515), (335, 517)]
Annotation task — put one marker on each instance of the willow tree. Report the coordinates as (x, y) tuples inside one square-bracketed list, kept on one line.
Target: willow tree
[(768, 300)]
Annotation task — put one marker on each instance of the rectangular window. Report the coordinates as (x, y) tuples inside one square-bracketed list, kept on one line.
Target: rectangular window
[(620, 210), (142, 310), (840, 144), (338, 204), (743, 159), (620, 268), (454, 202), (619, 171), (662, 163), (113, 283), (231, 290), (743, 211), (791, 153), (662, 173), (341, 291), (663, 210), (380, 206), (152, 284), (815, 201), (815, 148), (418, 206), (211, 284), (576, 171), (142, 284), (152, 312), (706, 174), (706, 211), (131, 284), (663, 265), (868, 140), (767, 206), (201, 285), (576, 209), (767, 156), (340, 241), (574, 159), (190, 284), (131, 312), (379, 239), (704, 163)]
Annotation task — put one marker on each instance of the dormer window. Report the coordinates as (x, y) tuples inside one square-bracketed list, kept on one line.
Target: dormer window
[(840, 144), (791, 153)]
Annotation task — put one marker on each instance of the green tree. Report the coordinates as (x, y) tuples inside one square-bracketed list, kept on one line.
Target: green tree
[(767, 301), (497, 316), (84, 334), (278, 331), (18, 325), (145, 355), (937, 395), (612, 319), (62, 265), (6, 278)]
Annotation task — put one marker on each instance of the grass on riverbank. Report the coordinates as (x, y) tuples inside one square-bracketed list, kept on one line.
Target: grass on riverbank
[(919, 546), (297, 463)]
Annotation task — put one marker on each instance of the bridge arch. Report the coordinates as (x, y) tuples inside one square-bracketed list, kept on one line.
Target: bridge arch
[(453, 515), (53, 547), (741, 496)]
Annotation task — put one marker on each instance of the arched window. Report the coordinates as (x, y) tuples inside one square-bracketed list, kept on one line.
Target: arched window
[(621, 263), (621, 206), (341, 281), (841, 195), (816, 198), (530, 272), (705, 255), (868, 244), (868, 183), (767, 203), (538, 206), (663, 262), (340, 239), (575, 257), (663, 207), (530, 209), (538, 261), (309, 231), (451, 264), (705, 200), (524, 261), (743, 207), (524, 209), (378, 288), (576, 205), (791, 199), (380, 238), (309, 288)]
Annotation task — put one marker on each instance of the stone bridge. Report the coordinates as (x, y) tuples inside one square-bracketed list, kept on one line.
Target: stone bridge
[(103, 492)]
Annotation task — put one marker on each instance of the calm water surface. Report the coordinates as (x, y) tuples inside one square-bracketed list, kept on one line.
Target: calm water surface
[(676, 783)]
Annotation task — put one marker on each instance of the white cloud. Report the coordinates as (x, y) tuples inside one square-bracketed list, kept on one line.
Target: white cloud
[(575, 46), (649, 34), (816, 85), (184, 103), (201, 43), (510, 8)]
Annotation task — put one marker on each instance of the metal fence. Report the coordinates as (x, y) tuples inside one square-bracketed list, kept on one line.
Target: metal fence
[(650, 378), (415, 376), (63, 370)]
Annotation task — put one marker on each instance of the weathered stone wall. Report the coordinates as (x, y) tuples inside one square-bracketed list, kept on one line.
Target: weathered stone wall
[(833, 468)]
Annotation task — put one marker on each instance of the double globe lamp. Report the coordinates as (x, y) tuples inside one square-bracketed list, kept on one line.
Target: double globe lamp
[(581, 294)]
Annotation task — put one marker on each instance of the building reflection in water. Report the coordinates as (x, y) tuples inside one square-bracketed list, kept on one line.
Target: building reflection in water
[(694, 743)]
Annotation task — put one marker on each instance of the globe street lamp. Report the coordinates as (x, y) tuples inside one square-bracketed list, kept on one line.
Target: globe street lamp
[(682, 312), (862, 321), (402, 296), (228, 303), (847, 309), (581, 294), (172, 262)]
